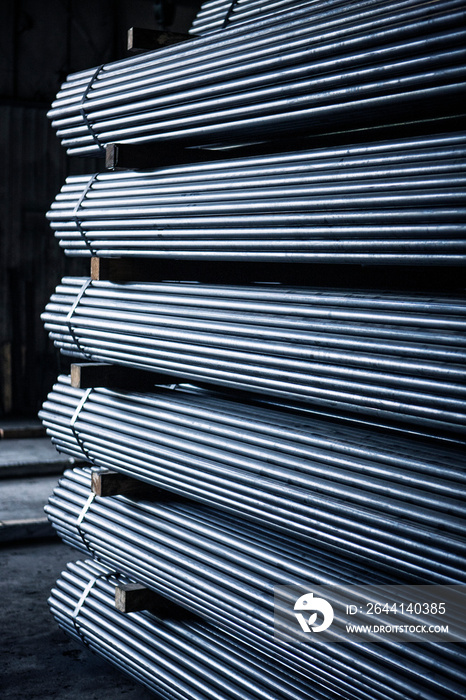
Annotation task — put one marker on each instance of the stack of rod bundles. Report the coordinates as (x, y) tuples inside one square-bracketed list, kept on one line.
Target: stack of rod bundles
[(175, 658), (393, 505), (399, 201), (389, 357), (369, 64), (227, 578)]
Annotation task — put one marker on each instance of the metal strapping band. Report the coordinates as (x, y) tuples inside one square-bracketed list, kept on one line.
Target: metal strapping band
[(78, 223), (69, 316), (229, 13), (79, 521), (83, 113), (74, 419), (82, 600)]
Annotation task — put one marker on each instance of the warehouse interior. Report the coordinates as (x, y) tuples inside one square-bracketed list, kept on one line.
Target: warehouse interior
[(232, 347)]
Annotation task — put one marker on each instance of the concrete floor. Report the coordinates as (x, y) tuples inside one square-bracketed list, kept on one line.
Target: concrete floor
[(29, 471), (22, 499), (37, 659), (31, 456)]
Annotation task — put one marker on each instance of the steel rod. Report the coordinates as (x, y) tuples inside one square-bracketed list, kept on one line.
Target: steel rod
[(70, 585), (91, 532), (210, 662), (366, 60), (234, 48), (359, 514), (313, 367), (400, 201)]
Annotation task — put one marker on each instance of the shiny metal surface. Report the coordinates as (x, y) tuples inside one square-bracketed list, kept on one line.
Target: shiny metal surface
[(239, 603), (397, 201), (368, 354), (387, 501), (292, 71), (174, 658)]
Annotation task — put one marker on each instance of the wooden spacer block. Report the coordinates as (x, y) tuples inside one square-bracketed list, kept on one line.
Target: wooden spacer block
[(221, 271), (127, 269), (133, 597), (140, 39), (447, 277), (110, 483), (87, 375), (134, 156), (113, 269), (137, 156)]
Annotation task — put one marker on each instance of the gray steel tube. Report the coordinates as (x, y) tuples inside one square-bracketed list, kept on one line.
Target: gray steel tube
[(219, 14), (179, 658), (94, 320), (234, 51), (70, 585), (215, 582), (411, 519), (401, 200), (243, 96)]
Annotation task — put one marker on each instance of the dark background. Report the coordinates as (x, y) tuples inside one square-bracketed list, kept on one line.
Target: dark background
[(40, 44)]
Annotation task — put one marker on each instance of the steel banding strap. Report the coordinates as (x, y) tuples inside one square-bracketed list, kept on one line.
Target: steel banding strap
[(83, 113), (79, 521), (69, 316), (228, 14), (73, 421), (82, 600), (77, 208)]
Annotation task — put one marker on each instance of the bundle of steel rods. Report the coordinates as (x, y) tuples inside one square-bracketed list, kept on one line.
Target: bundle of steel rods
[(228, 580), (201, 533), (366, 64), (391, 505), (219, 14), (388, 356), (176, 659), (401, 201)]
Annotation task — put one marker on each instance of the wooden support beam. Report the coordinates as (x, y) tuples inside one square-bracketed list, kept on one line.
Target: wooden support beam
[(133, 597), (135, 156), (125, 269), (140, 39), (152, 270), (142, 156), (87, 375), (109, 483), (447, 278), (221, 271)]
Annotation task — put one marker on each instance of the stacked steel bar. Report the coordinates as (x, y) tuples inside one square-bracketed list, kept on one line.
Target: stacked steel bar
[(364, 64), (276, 496), (399, 201), (176, 659), (389, 357), (219, 14), (391, 504), (227, 578)]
